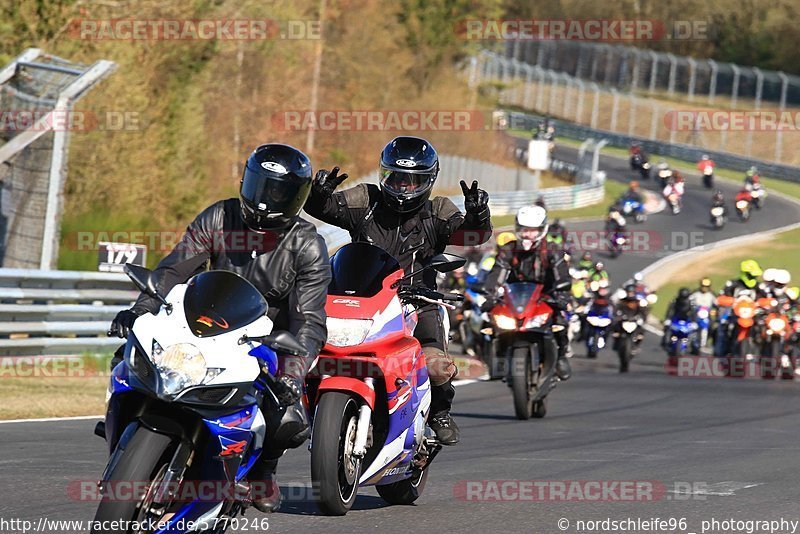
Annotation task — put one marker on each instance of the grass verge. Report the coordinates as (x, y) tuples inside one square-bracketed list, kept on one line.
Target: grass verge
[(53, 387)]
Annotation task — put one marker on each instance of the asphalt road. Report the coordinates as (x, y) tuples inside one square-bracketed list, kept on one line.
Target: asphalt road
[(706, 448)]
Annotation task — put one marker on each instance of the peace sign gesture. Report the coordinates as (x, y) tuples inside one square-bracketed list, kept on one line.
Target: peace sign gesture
[(475, 200)]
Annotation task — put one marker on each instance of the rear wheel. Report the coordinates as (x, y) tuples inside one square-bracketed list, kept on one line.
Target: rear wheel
[(522, 381), (145, 459), (405, 491), (335, 472)]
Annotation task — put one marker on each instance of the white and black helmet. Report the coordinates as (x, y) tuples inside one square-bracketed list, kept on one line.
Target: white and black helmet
[(531, 226)]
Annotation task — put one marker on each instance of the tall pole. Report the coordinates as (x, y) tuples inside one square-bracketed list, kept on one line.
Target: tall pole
[(315, 83)]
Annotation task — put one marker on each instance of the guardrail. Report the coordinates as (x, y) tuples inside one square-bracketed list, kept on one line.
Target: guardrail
[(59, 312)]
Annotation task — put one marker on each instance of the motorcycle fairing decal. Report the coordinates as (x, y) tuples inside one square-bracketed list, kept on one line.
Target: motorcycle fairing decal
[(231, 448), (391, 452)]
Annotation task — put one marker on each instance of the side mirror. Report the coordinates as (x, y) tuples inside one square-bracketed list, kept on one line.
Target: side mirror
[(143, 279), (444, 263), (285, 343)]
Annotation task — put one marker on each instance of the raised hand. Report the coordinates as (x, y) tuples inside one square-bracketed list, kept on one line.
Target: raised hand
[(475, 200), (326, 182)]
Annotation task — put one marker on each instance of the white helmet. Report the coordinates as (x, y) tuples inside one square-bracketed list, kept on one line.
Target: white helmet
[(638, 277), (531, 226)]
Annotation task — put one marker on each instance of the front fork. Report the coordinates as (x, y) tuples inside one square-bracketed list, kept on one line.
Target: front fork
[(362, 428)]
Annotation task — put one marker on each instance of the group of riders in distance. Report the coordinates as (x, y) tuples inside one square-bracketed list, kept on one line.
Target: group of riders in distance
[(352, 351)]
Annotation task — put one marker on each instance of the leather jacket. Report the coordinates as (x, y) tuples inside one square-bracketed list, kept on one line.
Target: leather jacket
[(291, 269)]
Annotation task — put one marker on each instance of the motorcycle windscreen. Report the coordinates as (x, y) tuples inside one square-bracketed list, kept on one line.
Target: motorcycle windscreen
[(359, 270), (220, 301), (519, 295)]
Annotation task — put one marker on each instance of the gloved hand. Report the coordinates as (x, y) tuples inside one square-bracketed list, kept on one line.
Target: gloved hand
[(326, 182), (488, 304), (122, 323), (475, 200), (288, 390)]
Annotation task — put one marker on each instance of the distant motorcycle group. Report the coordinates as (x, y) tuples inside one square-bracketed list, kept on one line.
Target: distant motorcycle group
[(752, 325)]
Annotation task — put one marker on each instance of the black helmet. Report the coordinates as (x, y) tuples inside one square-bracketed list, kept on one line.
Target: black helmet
[(409, 166), (274, 187), (684, 293)]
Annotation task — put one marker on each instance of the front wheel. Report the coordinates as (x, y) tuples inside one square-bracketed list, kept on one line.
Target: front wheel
[(523, 380), (335, 472), (624, 352), (145, 459)]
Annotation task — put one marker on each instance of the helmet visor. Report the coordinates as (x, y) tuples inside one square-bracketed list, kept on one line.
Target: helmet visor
[(267, 193), (406, 183)]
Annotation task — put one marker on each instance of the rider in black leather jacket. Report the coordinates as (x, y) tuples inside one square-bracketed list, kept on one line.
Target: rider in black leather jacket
[(261, 237), (400, 217)]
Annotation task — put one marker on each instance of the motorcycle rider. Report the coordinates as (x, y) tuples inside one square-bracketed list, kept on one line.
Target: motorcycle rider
[(627, 307), (718, 200), (703, 296), (749, 272), (751, 178), (704, 162), (557, 236), (598, 275), (680, 309), (633, 193), (286, 260), (586, 262), (531, 261), (399, 216)]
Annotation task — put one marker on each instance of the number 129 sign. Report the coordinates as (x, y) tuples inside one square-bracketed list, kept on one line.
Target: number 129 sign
[(113, 256)]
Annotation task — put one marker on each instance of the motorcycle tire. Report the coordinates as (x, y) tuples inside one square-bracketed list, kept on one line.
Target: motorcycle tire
[(334, 430), (523, 380), (624, 352)]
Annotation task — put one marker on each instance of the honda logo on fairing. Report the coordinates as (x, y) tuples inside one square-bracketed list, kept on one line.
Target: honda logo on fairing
[(406, 162), (348, 302), (274, 167)]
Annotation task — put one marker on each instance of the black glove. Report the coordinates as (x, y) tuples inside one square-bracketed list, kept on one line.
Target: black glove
[(122, 323), (488, 304), (288, 390), (475, 200), (326, 182)]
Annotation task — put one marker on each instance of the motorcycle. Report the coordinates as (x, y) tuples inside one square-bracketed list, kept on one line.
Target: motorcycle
[(617, 242), (369, 391), (773, 333), (185, 404), (682, 339), (742, 203), (664, 174), (631, 207), (598, 321), (758, 194), (523, 325), (736, 329), (476, 331), (627, 329), (708, 176), (703, 315), (673, 194), (718, 217)]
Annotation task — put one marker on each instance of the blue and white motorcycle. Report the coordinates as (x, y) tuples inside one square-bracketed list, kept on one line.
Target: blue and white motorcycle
[(633, 208), (184, 406)]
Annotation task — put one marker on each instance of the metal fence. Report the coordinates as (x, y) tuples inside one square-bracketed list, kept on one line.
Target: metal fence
[(37, 92), (677, 150), (584, 99), (636, 69)]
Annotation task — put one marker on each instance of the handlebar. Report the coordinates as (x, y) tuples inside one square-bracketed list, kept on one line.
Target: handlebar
[(429, 295)]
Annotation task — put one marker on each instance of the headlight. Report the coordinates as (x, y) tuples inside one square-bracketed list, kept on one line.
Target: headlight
[(347, 332), (504, 322), (629, 326), (742, 204), (716, 212), (600, 322), (702, 314), (537, 320), (181, 366), (776, 325)]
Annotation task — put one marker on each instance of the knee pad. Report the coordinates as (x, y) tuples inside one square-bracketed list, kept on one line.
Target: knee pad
[(441, 367)]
